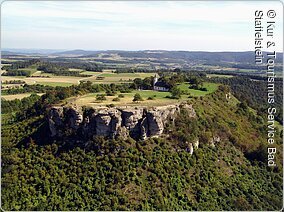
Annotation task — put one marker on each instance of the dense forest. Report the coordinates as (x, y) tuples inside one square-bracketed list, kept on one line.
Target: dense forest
[(62, 69), (156, 174)]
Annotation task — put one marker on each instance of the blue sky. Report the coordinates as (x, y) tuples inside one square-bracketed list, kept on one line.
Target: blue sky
[(135, 25)]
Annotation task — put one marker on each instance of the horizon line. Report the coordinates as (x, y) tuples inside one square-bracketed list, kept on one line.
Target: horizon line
[(78, 49)]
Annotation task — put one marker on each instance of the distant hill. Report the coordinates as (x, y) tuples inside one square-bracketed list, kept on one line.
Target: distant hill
[(76, 52), (8, 53), (173, 56), (244, 57)]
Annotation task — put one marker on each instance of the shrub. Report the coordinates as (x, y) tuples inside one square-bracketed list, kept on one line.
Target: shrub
[(120, 96), (101, 97), (116, 99), (137, 98), (110, 93), (110, 105), (176, 93), (125, 91), (203, 89)]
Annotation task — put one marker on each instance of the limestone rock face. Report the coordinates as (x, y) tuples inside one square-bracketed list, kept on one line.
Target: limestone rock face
[(107, 122), (196, 144), (190, 109), (55, 120), (138, 122), (157, 118), (191, 146), (190, 149), (74, 117), (214, 140), (131, 119)]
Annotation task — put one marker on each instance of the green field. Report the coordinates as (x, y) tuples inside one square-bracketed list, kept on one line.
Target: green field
[(76, 69), (63, 84), (219, 75), (52, 80), (159, 98), (32, 69), (40, 73), (248, 70), (110, 77), (91, 72), (211, 87)]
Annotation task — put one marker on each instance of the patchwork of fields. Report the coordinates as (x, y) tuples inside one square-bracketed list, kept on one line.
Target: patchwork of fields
[(38, 77), (106, 77)]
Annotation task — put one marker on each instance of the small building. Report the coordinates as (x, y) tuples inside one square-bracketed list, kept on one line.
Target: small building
[(159, 85)]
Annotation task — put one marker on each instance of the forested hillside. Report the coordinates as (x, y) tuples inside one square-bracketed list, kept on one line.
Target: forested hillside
[(228, 173), (253, 93)]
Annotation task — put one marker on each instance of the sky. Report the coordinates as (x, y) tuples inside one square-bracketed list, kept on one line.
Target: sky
[(135, 25)]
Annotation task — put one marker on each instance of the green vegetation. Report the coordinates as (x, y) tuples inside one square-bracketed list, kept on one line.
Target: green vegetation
[(228, 171), (18, 96), (61, 84), (219, 75), (101, 97), (137, 98), (176, 93), (27, 89), (20, 68), (13, 82), (251, 92), (158, 174), (116, 99), (110, 77), (156, 98), (18, 105), (210, 88), (68, 69)]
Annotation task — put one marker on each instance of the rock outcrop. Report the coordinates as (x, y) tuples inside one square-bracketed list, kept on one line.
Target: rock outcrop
[(138, 122), (214, 140), (55, 120)]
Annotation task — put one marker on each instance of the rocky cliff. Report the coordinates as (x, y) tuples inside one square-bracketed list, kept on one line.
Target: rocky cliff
[(137, 122)]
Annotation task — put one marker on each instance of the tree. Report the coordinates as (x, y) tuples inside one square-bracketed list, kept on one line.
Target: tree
[(176, 93), (196, 82), (137, 98), (138, 83), (100, 97), (116, 99)]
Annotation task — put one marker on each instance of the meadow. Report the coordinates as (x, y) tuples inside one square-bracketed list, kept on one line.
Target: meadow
[(41, 78), (55, 80), (108, 76), (49, 79), (18, 96), (211, 87), (157, 98), (219, 75)]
